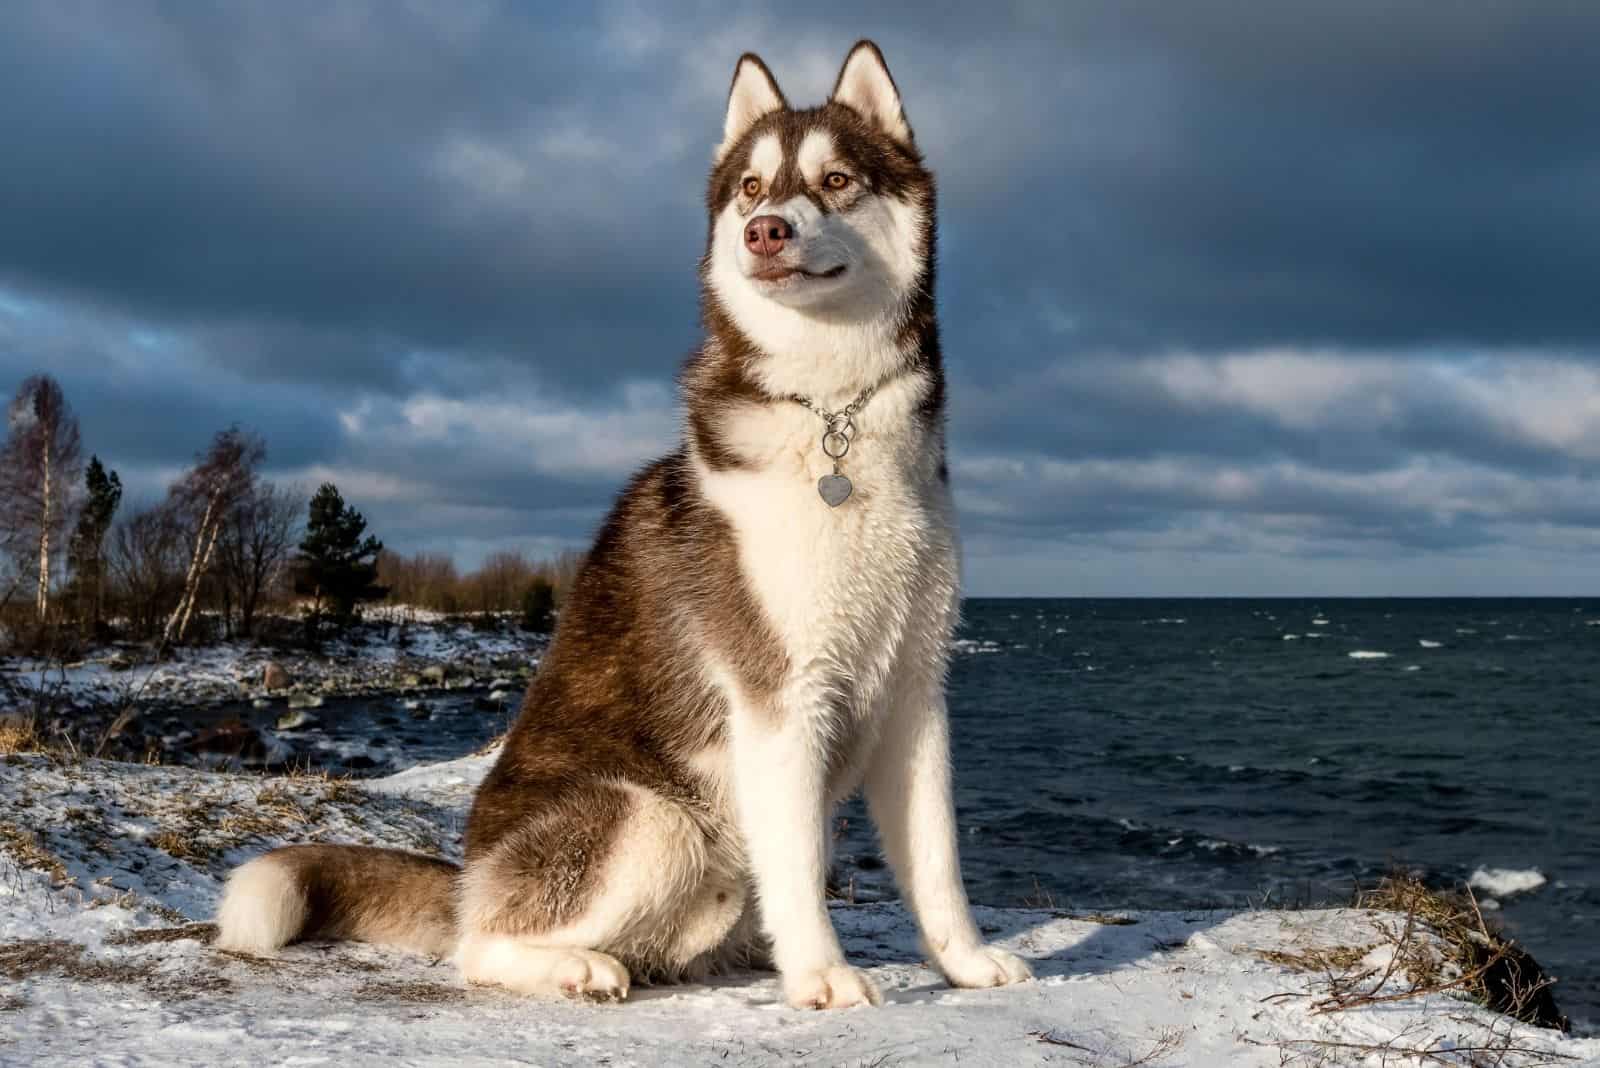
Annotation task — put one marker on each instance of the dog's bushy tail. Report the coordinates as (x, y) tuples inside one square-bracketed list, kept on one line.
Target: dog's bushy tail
[(358, 893)]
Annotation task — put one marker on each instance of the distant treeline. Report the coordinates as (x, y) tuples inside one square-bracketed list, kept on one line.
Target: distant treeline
[(503, 583), (222, 550)]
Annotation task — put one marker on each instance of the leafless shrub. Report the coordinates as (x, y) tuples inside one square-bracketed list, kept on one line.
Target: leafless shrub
[(1437, 942), (145, 559), (258, 536)]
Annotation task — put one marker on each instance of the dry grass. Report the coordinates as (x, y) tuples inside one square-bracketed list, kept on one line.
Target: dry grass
[(1438, 942), (488, 748), (413, 991), (1165, 1044), (1318, 959), (204, 933), (1040, 898), (1495, 1046), (20, 734), (28, 851), (51, 956), (1104, 919), (182, 846), (69, 960), (1469, 955)]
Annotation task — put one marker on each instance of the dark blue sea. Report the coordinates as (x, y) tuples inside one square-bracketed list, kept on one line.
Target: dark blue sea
[(1180, 753), (1188, 753)]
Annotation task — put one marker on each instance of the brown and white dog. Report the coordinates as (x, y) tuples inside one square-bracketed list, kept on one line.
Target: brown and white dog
[(739, 654)]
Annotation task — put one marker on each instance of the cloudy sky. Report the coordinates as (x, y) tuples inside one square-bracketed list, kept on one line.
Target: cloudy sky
[(1238, 298)]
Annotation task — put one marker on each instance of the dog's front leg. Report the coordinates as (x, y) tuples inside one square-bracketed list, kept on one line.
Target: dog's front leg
[(908, 790), (779, 773)]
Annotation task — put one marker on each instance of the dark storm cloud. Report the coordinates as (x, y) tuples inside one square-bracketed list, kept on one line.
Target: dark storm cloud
[(303, 169), (1339, 173), (305, 216), (1198, 175)]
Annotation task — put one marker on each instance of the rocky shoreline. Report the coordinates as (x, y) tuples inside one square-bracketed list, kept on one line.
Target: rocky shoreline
[(119, 702)]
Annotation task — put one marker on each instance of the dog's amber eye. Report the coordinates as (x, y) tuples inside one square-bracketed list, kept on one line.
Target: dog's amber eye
[(752, 186), (837, 180)]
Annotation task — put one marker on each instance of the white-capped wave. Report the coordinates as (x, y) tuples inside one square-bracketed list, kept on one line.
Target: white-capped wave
[(1291, 637), (1367, 654), (1214, 844), (1504, 882), (1319, 622), (1426, 644)]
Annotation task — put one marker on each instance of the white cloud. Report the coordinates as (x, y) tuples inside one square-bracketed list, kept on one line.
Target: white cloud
[(553, 438), (1299, 389)]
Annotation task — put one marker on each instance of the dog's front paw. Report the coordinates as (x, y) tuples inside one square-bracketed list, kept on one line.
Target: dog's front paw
[(984, 966), (837, 987)]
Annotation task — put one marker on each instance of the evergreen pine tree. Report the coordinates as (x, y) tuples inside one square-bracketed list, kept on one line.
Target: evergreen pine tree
[(338, 562), (87, 551), (538, 605)]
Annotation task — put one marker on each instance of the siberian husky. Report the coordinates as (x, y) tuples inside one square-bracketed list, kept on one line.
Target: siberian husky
[(762, 626)]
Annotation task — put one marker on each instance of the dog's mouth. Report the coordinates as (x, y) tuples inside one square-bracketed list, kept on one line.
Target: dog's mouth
[(779, 273)]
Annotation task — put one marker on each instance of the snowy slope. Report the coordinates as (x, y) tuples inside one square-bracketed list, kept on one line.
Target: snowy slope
[(109, 871)]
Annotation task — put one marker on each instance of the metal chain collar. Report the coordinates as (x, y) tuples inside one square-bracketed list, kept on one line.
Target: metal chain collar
[(838, 429), (839, 426)]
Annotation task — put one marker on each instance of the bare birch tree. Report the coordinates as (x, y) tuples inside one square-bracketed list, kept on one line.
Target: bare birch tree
[(257, 539), (222, 476), (40, 467), (145, 562)]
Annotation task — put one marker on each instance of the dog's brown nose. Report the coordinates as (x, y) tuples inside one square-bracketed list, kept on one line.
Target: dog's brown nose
[(765, 234)]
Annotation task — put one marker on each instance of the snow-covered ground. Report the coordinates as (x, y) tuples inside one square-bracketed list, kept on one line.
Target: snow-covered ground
[(378, 656), (109, 872)]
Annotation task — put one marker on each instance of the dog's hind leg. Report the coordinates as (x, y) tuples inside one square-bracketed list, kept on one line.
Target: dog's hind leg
[(601, 879)]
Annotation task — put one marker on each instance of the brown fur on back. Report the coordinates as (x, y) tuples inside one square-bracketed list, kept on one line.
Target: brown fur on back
[(621, 691)]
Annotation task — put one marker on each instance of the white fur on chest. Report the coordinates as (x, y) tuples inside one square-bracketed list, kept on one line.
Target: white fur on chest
[(841, 586)]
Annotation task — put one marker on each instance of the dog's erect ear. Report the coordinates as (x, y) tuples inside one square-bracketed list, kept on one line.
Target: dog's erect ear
[(866, 87), (754, 93)]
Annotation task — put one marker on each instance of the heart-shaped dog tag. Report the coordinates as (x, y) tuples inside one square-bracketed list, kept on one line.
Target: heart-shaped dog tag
[(834, 489)]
